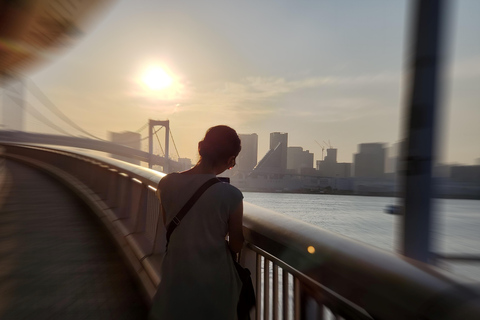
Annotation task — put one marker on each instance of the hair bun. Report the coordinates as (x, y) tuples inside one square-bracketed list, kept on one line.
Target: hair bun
[(206, 150), (220, 143)]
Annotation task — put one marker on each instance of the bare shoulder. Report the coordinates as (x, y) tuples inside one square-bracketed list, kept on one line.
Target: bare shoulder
[(169, 177), (165, 181), (232, 191)]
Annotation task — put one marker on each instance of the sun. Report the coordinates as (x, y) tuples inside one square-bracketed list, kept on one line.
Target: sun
[(156, 78), (159, 82)]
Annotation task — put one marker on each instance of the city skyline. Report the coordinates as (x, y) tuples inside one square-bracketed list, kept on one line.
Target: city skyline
[(389, 152), (375, 170), (320, 71)]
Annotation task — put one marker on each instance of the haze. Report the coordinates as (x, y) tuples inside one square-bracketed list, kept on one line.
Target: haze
[(319, 70)]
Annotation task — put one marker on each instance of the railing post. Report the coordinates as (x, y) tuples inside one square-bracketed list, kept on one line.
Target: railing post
[(285, 294), (306, 308), (152, 215), (311, 310), (125, 196), (142, 210), (297, 305), (100, 181), (134, 207), (419, 151), (112, 188), (275, 299), (266, 288), (258, 287)]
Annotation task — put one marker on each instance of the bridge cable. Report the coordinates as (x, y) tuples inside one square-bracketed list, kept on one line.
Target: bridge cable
[(171, 135), (142, 127), (39, 116), (38, 93), (158, 139)]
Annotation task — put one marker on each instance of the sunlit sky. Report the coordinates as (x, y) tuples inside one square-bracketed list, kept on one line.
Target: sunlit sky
[(328, 71)]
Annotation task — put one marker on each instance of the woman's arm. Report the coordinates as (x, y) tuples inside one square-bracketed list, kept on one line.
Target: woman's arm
[(235, 229)]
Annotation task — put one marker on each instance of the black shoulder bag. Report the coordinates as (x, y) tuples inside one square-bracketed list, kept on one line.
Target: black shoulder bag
[(247, 300), (247, 296)]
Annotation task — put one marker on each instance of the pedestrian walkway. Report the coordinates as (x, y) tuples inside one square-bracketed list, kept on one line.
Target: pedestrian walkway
[(56, 261)]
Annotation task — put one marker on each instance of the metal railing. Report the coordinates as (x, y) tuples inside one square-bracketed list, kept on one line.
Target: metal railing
[(300, 271)]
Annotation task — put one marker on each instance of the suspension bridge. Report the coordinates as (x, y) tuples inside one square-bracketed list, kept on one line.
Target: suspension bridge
[(81, 236), (16, 105)]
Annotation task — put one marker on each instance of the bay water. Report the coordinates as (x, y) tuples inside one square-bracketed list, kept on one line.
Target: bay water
[(456, 223)]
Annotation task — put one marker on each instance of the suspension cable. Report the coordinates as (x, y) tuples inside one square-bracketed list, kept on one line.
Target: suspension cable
[(171, 135), (38, 93), (158, 139), (142, 127), (39, 116)]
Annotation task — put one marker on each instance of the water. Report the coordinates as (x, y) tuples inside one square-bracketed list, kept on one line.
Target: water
[(456, 227)]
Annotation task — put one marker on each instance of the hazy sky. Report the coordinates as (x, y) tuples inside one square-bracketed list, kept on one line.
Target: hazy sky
[(319, 70)]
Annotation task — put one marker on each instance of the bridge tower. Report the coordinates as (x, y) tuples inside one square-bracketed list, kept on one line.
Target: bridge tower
[(151, 125), (12, 101)]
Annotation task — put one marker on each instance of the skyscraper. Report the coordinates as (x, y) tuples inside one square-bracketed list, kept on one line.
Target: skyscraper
[(329, 167), (247, 158), (370, 160), (275, 160), (279, 141), (298, 159)]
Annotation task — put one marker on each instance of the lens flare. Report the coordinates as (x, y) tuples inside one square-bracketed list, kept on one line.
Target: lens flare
[(156, 78)]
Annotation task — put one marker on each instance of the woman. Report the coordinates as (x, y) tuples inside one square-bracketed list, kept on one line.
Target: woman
[(199, 280)]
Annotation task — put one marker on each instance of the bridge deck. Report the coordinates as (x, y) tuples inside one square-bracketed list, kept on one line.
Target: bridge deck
[(56, 261)]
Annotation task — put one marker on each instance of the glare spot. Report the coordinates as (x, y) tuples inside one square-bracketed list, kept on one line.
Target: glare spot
[(311, 249), (157, 79)]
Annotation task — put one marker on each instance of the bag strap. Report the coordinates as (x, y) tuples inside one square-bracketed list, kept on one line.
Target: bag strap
[(181, 214)]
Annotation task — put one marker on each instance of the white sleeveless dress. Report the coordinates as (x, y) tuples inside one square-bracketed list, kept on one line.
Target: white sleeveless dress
[(199, 280)]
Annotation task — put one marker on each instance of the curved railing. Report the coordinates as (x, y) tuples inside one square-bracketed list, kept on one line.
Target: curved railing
[(300, 271)]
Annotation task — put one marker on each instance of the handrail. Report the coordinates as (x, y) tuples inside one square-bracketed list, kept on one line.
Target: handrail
[(386, 285), (301, 271)]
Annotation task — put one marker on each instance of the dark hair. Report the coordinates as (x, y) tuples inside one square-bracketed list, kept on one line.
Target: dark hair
[(220, 143)]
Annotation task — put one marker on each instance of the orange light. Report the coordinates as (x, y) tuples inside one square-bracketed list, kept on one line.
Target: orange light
[(311, 250)]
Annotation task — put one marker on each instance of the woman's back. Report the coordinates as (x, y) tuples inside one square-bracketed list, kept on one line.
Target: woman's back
[(198, 276)]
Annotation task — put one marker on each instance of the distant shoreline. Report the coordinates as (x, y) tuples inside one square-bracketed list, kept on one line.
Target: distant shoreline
[(372, 194)]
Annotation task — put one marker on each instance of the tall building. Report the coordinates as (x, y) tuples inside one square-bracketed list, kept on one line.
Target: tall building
[(279, 141), (298, 159), (369, 161), (12, 102), (343, 170), (247, 158), (329, 167), (275, 160), (129, 139), (393, 158), (331, 156)]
